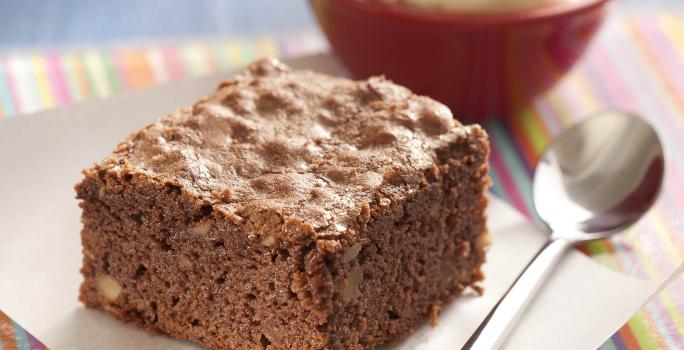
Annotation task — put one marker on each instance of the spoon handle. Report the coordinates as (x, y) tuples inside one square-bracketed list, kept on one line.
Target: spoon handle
[(497, 325)]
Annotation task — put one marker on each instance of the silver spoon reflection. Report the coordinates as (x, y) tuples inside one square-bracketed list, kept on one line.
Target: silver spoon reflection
[(596, 179)]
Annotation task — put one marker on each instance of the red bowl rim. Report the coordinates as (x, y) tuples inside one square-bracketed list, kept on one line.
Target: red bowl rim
[(544, 12)]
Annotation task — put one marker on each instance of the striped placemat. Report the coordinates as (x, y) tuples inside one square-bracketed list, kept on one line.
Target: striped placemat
[(13, 337), (637, 64)]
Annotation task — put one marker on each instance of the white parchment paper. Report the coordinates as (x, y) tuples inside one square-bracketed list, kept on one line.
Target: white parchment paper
[(40, 253)]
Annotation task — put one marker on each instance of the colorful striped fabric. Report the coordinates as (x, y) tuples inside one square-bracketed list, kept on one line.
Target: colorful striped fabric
[(32, 81), (637, 64), (13, 337)]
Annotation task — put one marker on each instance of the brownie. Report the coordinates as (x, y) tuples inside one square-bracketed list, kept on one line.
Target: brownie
[(288, 210)]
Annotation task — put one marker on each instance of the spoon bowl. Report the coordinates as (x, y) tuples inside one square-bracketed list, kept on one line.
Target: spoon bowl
[(598, 176), (596, 179)]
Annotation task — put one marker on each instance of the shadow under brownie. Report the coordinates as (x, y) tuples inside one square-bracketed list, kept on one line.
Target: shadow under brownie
[(288, 209)]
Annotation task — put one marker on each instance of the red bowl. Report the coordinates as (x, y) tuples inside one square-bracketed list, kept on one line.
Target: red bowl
[(480, 65)]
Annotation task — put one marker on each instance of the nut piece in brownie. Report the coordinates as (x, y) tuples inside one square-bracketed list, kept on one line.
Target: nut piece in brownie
[(288, 210)]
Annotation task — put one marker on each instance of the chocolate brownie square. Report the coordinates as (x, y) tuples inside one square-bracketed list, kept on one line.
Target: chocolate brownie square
[(288, 210)]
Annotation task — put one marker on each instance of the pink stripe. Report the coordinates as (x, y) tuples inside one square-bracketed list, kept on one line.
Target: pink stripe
[(507, 183), (301, 46), (60, 89), (292, 46), (172, 64), (619, 96), (606, 76), (606, 73), (618, 93), (521, 103), (569, 100), (656, 308), (665, 119), (11, 85), (546, 75), (550, 116)]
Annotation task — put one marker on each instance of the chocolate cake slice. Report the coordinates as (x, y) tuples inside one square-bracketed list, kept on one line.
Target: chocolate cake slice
[(288, 210)]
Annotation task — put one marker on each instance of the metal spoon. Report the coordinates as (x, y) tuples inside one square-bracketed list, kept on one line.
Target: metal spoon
[(597, 178)]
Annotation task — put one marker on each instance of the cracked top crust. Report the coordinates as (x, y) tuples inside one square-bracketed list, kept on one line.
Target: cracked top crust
[(309, 146)]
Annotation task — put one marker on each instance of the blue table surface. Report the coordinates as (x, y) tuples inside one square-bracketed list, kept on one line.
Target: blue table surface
[(39, 23)]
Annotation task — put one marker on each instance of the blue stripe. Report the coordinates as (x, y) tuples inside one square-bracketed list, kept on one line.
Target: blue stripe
[(514, 164), (610, 344), (5, 97), (22, 337), (495, 189)]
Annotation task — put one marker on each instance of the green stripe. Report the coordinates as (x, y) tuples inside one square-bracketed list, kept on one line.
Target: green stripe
[(608, 345), (221, 56), (31, 78), (642, 332), (599, 252), (533, 131), (112, 74), (5, 97), (248, 50), (596, 248)]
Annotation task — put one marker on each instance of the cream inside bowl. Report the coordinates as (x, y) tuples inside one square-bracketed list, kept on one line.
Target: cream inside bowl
[(477, 5)]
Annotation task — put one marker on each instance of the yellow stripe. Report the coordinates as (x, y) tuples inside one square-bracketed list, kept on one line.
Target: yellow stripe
[(657, 223), (234, 53), (575, 82), (44, 89), (675, 33), (268, 48), (81, 89), (642, 325), (98, 73), (555, 101), (657, 77), (600, 253), (193, 59), (586, 93), (644, 258), (535, 131), (641, 254), (673, 310)]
